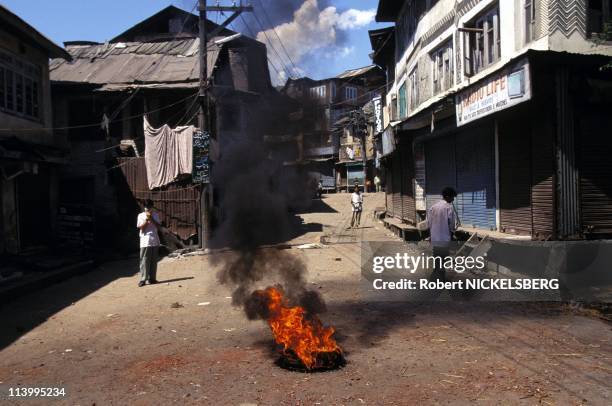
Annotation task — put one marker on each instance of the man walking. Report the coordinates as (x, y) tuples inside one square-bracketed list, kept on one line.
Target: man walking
[(148, 222), (442, 224)]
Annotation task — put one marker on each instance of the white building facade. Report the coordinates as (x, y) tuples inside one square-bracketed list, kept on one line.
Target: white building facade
[(498, 99)]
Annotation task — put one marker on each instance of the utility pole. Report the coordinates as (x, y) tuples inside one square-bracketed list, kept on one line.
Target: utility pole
[(205, 212), (204, 107)]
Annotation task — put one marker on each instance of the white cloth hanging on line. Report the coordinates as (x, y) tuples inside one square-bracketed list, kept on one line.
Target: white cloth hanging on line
[(168, 153)]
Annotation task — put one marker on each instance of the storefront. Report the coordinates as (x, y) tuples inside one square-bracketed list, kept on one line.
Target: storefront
[(466, 158), (354, 174), (465, 161)]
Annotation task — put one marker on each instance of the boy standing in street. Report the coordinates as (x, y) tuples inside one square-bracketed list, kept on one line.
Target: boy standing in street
[(357, 206), (148, 222)]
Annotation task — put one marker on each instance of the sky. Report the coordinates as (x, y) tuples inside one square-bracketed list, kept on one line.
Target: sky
[(318, 38)]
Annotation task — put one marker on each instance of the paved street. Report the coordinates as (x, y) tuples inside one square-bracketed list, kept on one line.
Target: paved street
[(109, 342)]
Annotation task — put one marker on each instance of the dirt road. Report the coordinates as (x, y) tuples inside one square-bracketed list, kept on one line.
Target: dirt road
[(109, 342)]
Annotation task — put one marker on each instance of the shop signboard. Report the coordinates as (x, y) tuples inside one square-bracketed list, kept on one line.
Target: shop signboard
[(499, 91), (201, 162)]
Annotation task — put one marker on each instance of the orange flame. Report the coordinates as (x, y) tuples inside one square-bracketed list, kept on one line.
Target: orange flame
[(306, 337)]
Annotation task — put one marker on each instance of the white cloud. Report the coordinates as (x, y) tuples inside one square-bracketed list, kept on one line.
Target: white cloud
[(311, 32), (355, 18), (339, 52)]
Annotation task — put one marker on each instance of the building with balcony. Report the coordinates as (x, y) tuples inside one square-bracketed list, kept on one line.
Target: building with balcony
[(506, 102)]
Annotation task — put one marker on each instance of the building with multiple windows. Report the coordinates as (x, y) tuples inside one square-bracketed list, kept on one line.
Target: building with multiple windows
[(30, 154), (506, 102), (323, 103)]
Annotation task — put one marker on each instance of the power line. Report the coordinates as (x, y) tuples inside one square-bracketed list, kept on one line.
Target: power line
[(98, 124), (277, 36), (267, 57), (288, 71)]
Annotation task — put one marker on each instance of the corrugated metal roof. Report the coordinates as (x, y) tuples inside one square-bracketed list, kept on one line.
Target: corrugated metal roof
[(119, 87), (355, 72), (142, 62)]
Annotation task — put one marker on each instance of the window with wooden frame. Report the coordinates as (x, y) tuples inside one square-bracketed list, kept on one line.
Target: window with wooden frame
[(20, 87), (599, 23), (442, 67), (318, 92), (350, 93), (401, 101), (481, 42), (529, 12), (413, 100), (393, 108)]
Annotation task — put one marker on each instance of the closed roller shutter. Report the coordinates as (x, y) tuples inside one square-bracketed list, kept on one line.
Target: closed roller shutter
[(408, 204), (596, 171), (474, 159), (397, 185), (440, 167), (542, 189), (389, 186), (419, 177), (515, 176)]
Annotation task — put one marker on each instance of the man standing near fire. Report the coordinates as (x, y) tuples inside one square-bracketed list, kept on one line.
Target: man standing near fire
[(148, 223), (442, 223)]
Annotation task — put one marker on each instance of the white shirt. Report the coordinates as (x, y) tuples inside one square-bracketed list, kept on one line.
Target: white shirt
[(148, 234), (356, 201), (442, 222)]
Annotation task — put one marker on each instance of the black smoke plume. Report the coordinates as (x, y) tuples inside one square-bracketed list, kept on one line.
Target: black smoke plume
[(257, 197)]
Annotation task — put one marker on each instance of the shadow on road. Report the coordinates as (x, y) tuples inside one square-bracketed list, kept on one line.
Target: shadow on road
[(176, 279), (32, 309), (318, 206)]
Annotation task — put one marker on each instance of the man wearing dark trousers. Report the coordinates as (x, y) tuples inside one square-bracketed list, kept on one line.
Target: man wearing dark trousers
[(442, 224), (148, 223)]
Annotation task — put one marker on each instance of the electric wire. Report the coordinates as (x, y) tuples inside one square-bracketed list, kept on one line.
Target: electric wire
[(280, 60), (263, 8), (98, 124), (267, 57)]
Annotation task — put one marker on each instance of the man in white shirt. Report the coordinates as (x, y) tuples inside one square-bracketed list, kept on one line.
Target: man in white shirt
[(357, 206), (148, 222), (442, 223)]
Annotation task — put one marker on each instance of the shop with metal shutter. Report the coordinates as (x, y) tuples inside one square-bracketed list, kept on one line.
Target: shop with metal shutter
[(543, 128), (475, 163), (514, 143), (397, 183), (464, 161), (595, 168), (388, 171), (439, 167), (354, 175), (407, 187), (419, 177)]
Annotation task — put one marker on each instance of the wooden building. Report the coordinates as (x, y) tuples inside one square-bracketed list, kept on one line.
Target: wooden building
[(31, 156), (153, 69)]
